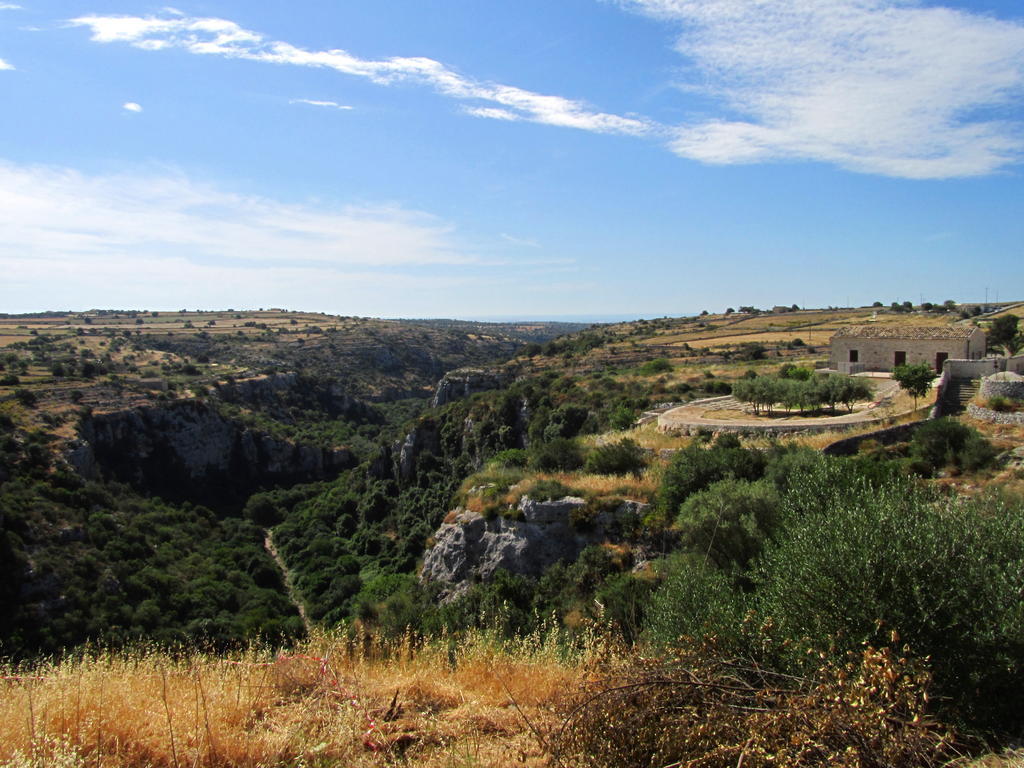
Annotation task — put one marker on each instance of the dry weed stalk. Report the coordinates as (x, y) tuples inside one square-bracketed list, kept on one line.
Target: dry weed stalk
[(704, 712)]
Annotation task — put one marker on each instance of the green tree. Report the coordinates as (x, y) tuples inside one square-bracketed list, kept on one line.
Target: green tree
[(729, 521), (1003, 334), (915, 380)]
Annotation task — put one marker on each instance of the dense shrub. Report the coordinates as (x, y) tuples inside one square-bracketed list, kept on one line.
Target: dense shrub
[(729, 521), (652, 367), (26, 397), (566, 421), (790, 371), (697, 467), (696, 600), (999, 403), (622, 417), (946, 442), (621, 458), (558, 455), (547, 490), (854, 561), (511, 458)]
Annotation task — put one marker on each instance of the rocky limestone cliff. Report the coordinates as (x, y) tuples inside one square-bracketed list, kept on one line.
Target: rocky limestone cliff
[(189, 450), (271, 392), (541, 533), (464, 382)]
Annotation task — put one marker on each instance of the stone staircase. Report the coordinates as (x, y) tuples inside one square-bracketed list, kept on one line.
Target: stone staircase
[(959, 392)]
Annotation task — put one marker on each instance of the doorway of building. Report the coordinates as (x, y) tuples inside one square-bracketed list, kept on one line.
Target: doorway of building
[(900, 358), (940, 358)]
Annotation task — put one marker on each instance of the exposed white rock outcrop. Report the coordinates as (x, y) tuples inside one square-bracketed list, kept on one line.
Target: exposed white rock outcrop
[(190, 445), (464, 382), (534, 537)]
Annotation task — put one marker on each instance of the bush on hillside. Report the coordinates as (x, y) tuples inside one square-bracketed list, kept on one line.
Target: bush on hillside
[(652, 367), (853, 562), (558, 455), (510, 458), (948, 443), (548, 490), (566, 421), (728, 522), (695, 600), (697, 467), (621, 458)]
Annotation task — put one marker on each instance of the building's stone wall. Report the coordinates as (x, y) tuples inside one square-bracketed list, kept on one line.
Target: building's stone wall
[(880, 354), (975, 369)]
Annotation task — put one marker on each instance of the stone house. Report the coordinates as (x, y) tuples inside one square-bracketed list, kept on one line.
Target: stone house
[(883, 347)]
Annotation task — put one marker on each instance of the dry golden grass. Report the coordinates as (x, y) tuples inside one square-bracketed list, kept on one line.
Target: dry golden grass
[(814, 328), (331, 703), (474, 702), (1013, 758), (641, 488), (646, 436)]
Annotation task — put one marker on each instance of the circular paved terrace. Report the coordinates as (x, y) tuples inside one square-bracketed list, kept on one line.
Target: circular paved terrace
[(726, 414)]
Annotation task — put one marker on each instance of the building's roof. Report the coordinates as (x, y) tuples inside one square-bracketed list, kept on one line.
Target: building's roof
[(923, 332)]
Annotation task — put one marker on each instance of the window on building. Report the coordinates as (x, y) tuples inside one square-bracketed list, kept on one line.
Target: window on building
[(900, 358), (854, 356)]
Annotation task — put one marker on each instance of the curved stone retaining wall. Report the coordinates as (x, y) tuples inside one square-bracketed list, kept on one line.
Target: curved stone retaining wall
[(697, 428), (991, 387), (995, 417)]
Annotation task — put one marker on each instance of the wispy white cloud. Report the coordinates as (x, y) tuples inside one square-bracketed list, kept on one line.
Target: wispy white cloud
[(131, 106), (162, 240), (492, 113), (880, 86), (888, 87), (225, 38), (320, 103), (4, 65), (519, 241), (9, 7), (47, 212)]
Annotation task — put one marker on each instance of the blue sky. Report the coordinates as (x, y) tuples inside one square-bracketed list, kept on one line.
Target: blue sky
[(531, 158)]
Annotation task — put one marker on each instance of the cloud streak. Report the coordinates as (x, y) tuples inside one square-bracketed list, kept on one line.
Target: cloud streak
[(321, 103), (220, 37), (877, 86), (131, 106), (887, 87), (163, 240), (46, 212), (5, 66)]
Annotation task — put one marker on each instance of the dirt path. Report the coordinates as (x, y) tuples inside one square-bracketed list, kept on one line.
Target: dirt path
[(268, 544)]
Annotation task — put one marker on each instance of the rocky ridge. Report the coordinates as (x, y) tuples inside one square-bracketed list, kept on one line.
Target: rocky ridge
[(188, 448), (464, 382), (470, 547)]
